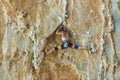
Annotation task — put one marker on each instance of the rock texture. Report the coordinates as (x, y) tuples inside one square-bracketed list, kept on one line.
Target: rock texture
[(27, 30)]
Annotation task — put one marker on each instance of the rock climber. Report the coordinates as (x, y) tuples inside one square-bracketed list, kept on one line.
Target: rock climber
[(62, 31)]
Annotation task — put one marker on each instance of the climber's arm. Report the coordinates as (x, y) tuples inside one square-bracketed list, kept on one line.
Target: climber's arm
[(59, 32)]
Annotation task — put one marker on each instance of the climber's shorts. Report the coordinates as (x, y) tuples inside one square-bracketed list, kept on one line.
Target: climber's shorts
[(65, 45)]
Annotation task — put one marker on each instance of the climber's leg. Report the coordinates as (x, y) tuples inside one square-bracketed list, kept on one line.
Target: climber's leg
[(74, 46), (50, 51), (82, 48), (56, 48)]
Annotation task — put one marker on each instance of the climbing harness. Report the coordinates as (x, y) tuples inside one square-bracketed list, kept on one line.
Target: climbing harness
[(65, 44)]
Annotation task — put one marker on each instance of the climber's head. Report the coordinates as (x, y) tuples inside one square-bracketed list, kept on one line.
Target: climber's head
[(62, 29)]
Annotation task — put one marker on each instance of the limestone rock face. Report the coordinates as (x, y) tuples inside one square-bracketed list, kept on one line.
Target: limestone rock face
[(27, 31)]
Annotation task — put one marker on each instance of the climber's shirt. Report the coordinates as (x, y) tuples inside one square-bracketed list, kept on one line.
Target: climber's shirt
[(65, 37)]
